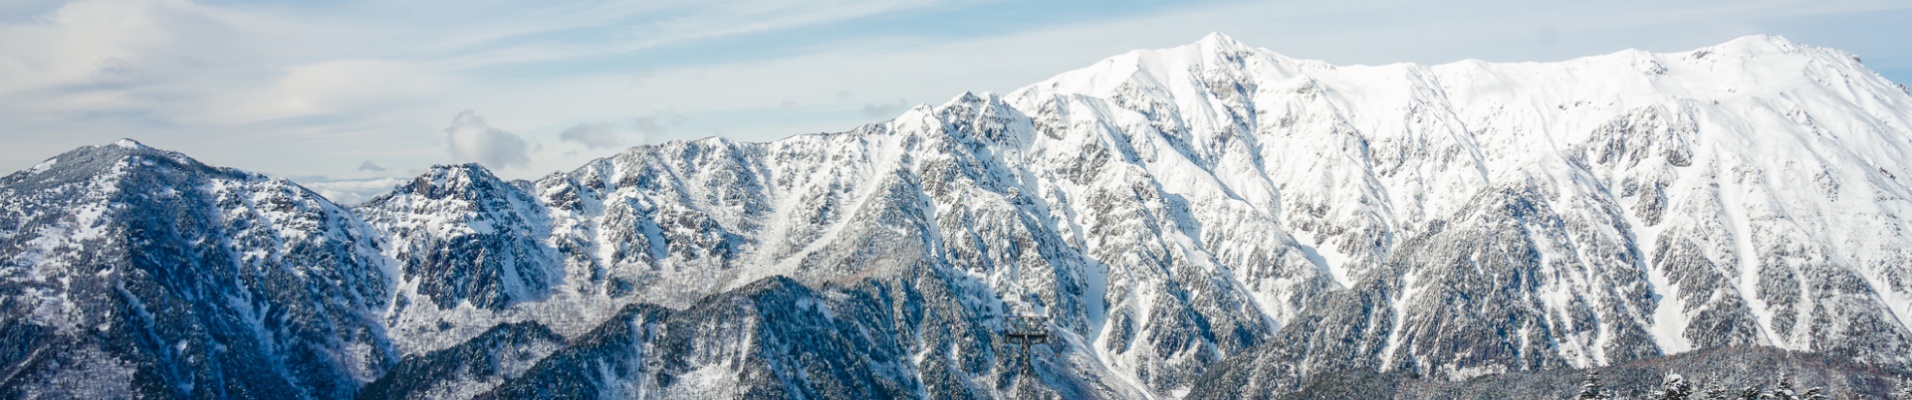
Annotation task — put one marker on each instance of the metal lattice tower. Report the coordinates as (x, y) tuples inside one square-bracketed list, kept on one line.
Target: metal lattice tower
[(1025, 331)]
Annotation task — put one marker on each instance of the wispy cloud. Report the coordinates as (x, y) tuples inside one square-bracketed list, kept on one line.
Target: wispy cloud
[(592, 135), (473, 140), (240, 84), (657, 125), (880, 110)]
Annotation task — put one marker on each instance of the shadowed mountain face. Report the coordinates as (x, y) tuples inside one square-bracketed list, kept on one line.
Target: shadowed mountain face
[(1169, 211), (135, 272)]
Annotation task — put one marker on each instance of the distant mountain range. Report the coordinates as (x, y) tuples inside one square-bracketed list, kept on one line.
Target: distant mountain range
[(1210, 220)]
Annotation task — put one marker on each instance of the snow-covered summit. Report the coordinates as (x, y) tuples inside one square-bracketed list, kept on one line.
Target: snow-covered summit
[(1217, 50), (108, 164)]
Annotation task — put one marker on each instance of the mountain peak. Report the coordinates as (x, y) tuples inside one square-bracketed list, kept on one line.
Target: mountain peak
[(969, 97), (468, 181), (87, 162), (1754, 45), (1762, 39), (460, 175), (1215, 44), (966, 97), (458, 170), (1219, 39), (128, 146)]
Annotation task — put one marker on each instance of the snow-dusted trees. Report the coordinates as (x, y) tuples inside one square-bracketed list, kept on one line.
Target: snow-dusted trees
[(1593, 389), (1675, 387), (1716, 392), (1815, 393), (1783, 391)]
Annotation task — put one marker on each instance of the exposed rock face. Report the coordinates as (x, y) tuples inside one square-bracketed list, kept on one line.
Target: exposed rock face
[(1207, 215), (463, 235), (468, 246)]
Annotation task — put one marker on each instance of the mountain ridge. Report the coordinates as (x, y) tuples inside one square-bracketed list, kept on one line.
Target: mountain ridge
[(1167, 210)]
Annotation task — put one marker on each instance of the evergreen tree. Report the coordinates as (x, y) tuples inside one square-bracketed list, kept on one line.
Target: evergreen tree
[(1904, 392), (1674, 387), (1592, 388), (1715, 392), (1815, 393), (1783, 391), (1750, 393)]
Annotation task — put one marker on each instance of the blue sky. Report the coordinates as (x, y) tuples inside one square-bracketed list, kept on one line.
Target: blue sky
[(353, 90)]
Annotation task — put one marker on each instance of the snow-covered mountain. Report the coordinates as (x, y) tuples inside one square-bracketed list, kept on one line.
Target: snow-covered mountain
[(1169, 211), (127, 271)]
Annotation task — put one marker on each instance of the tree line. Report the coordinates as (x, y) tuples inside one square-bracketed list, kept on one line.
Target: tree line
[(1676, 387)]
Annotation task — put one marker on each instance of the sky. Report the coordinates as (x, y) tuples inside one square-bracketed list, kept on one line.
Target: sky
[(350, 96)]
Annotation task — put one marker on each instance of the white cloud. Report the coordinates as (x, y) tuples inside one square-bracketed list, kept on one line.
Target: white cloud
[(472, 140), (657, 125), (881, 110), (241, 84), (357, 87), (756, 16), (71, 44), (592, 135)]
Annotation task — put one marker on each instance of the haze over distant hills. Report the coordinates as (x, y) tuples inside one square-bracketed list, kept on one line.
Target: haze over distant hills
[(1213, 219)]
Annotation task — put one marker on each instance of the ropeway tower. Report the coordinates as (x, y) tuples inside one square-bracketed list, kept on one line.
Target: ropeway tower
[(1027, 331)]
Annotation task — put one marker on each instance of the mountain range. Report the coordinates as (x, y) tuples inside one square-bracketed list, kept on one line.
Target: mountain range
[(1209, 220)]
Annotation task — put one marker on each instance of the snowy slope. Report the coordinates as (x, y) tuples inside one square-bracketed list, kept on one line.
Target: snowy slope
[(1566, 214)]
